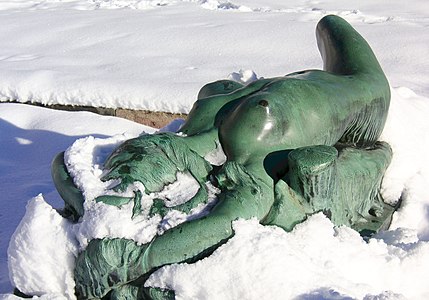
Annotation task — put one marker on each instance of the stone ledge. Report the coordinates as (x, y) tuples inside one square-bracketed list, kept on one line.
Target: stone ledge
[(149, 118), (145, 117)]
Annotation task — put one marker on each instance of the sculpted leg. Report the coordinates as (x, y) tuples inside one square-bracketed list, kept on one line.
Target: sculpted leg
[(99, 269), (344, 184), (359, 176)]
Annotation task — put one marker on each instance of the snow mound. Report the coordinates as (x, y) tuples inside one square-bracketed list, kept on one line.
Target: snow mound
[(407, 177), (243, 76), (406, 131), (315, 259), (42, 252)]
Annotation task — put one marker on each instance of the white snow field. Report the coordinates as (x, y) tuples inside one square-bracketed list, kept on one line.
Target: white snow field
[(156, 55)]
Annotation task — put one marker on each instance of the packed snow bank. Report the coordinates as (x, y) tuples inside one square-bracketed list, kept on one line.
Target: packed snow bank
[(407, 131), (315, 260), (34, 267), (118, 53), (42, 252), (30, 138)]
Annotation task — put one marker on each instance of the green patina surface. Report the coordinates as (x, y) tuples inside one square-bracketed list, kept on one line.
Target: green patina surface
[(295, 145)]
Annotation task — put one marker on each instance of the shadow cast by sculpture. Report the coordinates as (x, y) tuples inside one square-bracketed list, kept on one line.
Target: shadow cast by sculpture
[(295, 145)]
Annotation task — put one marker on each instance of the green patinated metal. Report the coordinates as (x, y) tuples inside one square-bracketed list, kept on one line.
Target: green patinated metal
[(72, 196), (343, 183), (295, 145)]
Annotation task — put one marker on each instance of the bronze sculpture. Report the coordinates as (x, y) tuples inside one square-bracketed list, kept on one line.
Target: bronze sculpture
[(295, 145)]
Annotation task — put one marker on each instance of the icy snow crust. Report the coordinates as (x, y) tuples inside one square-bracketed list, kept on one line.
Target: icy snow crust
[(156, 55)]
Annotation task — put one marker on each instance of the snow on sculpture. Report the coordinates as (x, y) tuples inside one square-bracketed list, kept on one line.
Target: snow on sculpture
[(295, 145)]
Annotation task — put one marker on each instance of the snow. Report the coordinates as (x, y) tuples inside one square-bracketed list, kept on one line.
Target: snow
[(84, 160), (43, 224), (314, 259), (25, 166), (155, 55), (320, 261)]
